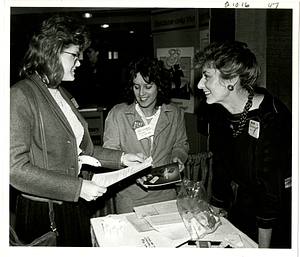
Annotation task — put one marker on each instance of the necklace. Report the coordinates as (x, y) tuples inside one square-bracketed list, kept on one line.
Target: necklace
[(242, 121)]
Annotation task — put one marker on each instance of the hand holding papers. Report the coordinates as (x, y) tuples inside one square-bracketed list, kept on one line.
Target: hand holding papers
[(110, 178)]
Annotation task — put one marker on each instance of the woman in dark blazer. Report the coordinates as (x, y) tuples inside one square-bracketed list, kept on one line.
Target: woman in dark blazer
[(251, 139), (40, 106)]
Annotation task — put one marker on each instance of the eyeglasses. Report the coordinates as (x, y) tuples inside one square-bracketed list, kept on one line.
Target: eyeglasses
[(75, 56)]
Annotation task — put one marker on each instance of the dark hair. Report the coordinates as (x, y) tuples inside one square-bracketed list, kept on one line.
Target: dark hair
[(152, 71), (95, 46), (43, 55), (231, 58)]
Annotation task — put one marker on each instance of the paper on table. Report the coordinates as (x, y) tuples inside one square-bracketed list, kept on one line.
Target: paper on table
[(170, 225), (109, 178), (164, 219), (156, 209), (141, 225), (175, 231)]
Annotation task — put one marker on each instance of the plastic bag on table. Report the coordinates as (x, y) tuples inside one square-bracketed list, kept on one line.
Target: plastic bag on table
[(197, 214)]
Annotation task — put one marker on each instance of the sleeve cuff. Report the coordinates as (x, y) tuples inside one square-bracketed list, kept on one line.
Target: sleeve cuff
[(122, 159), (218, 203), (265, 223)]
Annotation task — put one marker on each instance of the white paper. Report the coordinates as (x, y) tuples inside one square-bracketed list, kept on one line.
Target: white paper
[(113, 227), (109, 178), (164, 219), (156, 209), (169, 225)]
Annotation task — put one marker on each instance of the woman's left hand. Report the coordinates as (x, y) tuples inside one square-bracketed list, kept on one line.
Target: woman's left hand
[(180, 163)]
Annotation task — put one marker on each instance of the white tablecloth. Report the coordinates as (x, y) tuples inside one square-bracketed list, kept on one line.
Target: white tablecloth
[(130, 237)]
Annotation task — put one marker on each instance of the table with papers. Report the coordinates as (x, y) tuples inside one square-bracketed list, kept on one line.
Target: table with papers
[(157, 225)]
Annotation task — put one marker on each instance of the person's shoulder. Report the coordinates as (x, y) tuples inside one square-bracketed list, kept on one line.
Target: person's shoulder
[(280, 107), (121, 107), (19, 84), (172, 107), (274, 112), (20, 87), (173, 111), (273, 104)]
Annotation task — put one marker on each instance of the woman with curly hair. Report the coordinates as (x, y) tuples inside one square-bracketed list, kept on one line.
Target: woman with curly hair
[(147, 123), (48, 138)]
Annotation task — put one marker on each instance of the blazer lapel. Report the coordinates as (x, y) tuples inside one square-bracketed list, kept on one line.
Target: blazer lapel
[(162, 123), (84, 146)]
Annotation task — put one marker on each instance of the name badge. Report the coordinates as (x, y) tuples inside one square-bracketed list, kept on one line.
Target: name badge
[(254, 128), (144, 132)]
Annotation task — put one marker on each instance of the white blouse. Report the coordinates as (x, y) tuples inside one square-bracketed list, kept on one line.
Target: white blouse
[(70, 115)]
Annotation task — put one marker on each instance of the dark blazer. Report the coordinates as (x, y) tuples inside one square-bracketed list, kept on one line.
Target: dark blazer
[(27, 172)]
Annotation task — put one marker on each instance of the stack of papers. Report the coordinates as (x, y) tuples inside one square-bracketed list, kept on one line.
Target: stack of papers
[(162, 217), (156, 209)]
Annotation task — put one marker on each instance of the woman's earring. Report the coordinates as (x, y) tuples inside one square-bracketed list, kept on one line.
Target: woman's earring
[(230, 87)]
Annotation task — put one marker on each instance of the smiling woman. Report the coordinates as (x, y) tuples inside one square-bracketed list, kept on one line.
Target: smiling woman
[(150, 124), (213, 87), (70, 61), (51, 49), (252, 160), (49, 137), (145, 95)]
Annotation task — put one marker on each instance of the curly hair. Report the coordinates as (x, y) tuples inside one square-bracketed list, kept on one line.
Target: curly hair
[(231, 58), (43, 55), (152, 71)]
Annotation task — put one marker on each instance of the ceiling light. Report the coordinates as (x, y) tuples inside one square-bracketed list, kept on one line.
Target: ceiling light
[(131, 31), (104, 26), (87, 15)]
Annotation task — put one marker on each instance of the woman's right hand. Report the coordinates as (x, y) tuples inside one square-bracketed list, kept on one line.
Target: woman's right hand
[(90, 191)]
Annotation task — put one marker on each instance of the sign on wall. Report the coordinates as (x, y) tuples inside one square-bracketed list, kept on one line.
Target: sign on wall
[(181, 19), (179, 60)]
